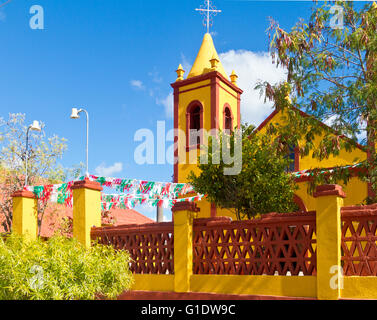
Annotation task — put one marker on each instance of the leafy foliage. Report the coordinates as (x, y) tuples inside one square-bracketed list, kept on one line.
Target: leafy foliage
[(43, 167), (332, 73), (61, 269), (263, 185)]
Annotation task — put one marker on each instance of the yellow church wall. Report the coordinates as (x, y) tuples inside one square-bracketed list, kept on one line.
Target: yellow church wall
[(205, 209), (344, 158), (356, 192), (225, 213), (308, 162)]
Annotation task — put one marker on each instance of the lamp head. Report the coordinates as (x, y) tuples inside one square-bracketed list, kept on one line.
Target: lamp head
[(75, 113), (35, 126)]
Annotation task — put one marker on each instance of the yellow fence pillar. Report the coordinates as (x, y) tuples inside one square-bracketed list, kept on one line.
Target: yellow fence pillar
[(25, 214), (329, 200), (183, 216), (86, 209)]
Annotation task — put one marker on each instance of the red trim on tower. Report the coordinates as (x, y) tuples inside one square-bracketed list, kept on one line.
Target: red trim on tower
[(209, 75), (176, 104), (239, 111), (226, 105), (193, 104), (214, 103)]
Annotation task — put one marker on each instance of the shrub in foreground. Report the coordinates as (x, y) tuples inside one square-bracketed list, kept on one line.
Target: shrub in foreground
[(61, 269)]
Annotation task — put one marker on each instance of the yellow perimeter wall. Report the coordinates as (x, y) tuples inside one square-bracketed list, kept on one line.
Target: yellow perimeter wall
[(283, 286)]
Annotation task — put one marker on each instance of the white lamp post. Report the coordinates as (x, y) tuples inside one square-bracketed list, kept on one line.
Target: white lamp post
[(75, 115), (35, 126)]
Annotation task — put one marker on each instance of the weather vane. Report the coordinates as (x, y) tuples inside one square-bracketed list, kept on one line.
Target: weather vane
[(209, 11)]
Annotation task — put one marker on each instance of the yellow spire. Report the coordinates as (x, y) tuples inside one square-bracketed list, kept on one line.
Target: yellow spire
[(202, 62)]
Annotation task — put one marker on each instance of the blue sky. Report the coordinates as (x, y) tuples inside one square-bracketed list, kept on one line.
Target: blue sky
[(117, 59)]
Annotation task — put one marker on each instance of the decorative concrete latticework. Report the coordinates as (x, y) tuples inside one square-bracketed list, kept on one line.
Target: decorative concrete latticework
[(281, 244), (359, 249), (151, 246)]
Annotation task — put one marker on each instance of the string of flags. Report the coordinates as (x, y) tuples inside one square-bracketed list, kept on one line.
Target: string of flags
[(109, 201), (153, 194), (132, 186), (57, 193), (310, 172)]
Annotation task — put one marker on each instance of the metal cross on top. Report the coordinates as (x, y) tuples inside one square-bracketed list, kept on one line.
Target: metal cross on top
[(208, 10)]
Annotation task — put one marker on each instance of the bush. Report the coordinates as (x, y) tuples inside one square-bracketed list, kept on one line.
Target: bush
[(61, 269)]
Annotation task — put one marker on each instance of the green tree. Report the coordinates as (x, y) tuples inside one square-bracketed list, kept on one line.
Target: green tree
[(332, 73), (43, 166), (262, 186)]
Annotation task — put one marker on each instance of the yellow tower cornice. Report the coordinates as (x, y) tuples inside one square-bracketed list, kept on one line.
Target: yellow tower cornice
[(206, 76)]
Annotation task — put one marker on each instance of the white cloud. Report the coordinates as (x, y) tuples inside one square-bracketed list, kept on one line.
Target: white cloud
[(104, 171), (168, 104), (252, 67), (137, 84)]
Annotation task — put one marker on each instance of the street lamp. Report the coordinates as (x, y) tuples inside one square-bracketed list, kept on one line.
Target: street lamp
[(75, 115), (35, 126)]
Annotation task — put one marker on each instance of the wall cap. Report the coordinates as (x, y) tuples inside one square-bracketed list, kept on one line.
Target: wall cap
[(329, 190), (23, 194), (87, 184), (182, 206)]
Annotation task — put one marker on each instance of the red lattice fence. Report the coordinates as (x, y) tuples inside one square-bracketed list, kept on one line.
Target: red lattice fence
[(277, 244), (359, 250), (151, 246)]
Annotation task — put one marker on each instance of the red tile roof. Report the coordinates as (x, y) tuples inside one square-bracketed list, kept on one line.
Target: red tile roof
[(129, 216)]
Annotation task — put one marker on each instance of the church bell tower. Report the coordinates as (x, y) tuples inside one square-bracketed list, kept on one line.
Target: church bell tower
[(207, 99)]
